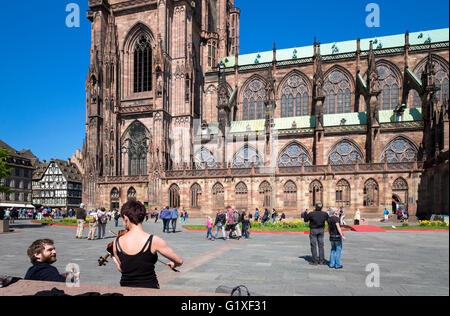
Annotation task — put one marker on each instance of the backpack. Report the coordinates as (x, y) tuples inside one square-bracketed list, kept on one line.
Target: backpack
[(103, 219), (236, 216)]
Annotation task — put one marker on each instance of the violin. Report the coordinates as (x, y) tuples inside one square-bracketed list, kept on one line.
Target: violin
[(110, 250)]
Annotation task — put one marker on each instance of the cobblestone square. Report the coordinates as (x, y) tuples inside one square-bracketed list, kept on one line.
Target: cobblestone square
[(410, 263)]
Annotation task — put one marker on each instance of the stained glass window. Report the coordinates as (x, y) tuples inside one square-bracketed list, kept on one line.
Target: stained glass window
[(294, 155), (389, 85), (337, 93), (295, 97), (290, 194), (265, 190), (131, 194), (399, 150), (246, 157), (253, 100), (345, 153), (174, 196), (142, 65), (371, 193), (204, 157), (241, 193), (218, 192), (316, 193), (441, 78), (343, 196), (135, 148), (196, 192)]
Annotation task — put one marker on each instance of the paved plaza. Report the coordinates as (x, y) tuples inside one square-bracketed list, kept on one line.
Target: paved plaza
[(410, 263)]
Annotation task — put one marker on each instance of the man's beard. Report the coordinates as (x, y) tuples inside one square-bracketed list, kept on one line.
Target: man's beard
[(50, 259)]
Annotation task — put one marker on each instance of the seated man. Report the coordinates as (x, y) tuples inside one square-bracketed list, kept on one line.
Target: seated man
[(42, 255)]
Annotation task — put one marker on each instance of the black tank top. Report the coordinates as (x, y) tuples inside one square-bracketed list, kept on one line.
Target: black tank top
[(138, 270)]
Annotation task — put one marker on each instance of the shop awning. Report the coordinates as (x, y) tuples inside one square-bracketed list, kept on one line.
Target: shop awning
[(16, 205)]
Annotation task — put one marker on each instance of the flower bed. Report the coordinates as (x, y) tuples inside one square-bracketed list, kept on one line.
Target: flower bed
[(64, 222), (279, 226)]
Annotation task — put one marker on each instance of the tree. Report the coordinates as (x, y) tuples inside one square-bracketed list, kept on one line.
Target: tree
[(4, 171)]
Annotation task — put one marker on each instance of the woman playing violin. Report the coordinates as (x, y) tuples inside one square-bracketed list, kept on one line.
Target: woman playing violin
[(136, 253)]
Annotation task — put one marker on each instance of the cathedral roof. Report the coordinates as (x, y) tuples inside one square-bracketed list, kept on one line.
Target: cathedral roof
[(337, 48), (330, 120)]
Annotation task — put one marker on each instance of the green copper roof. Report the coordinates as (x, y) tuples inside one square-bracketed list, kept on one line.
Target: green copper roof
[(247, 126), (410, 115), (354, 118), (415, 38), (414, 76)]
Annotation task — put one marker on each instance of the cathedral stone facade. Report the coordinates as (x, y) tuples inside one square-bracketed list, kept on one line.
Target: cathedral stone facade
[(177, 117)]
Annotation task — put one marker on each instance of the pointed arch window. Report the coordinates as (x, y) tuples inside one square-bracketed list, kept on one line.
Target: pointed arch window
[(389, 85), (265, 191), (441, 80), (253, 100), (218, 192), (343, 196), (294, 155), (131, 194), (315, 193), (337, 93), (295, 97), (371, 193), (205, 158), (196, 192), (174, 196), (135, 148), (345, 153), (290, 194), (142, 65), (246, 157), (399, 149), (241, 193)]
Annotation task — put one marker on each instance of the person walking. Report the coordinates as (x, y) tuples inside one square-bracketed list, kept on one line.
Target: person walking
[(231, 223), (156, 215), (274, 215), (336, 238), (93, 223), (102, 221), (342, 216), (209, 226), (80, 214), (186, 217), (317, 220), (256, 215), (357, 217), (116, 218), (220, 221), (265, 217), (174, 218), (136, 253), (245, 227), (166, 216)]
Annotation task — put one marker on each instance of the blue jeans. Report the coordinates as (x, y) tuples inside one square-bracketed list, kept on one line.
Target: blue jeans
[(335, 256), (209, 233), (223, 231)]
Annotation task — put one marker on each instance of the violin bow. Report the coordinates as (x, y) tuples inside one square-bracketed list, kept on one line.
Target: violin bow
[(166, 264)]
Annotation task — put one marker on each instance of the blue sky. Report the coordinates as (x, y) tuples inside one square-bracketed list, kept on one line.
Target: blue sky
[(44, 63)]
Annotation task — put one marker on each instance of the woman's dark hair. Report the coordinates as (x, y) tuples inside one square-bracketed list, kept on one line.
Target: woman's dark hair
[(135, 211)]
